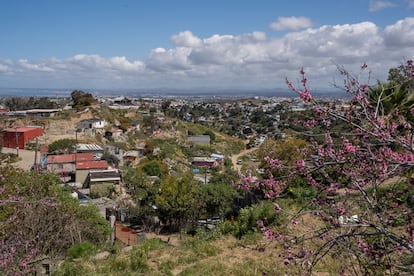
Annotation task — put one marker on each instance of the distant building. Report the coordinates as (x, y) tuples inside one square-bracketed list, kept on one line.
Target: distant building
[(91, 126), (131, 157), (199, 139), (84, 167), (39, 113), (65, 164), (95, 149), (204, 162), (92, 123), (19, 137), (218, 157), (101, 182)]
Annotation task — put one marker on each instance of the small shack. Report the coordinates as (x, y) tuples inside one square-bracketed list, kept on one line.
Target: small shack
[(20, 136), (84, 167), (102, 182)]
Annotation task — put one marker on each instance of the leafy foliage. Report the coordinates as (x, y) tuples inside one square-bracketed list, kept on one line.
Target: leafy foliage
[(356, 220), (216, 199), (24, 103), (39, 218), (247, 221), (81, 99), (178, 200), (81, 250), (65, 145), (153, 168), (110, 158)]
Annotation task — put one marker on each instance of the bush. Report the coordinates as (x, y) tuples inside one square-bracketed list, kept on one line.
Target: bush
[(81, 250), (246, 222), (69, 268), (139, 259)]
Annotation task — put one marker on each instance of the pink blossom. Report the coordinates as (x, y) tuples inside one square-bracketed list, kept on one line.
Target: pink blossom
[(399, 250), (274, 163), (276, 207), (305, 95), (348, 148), (300, 163)]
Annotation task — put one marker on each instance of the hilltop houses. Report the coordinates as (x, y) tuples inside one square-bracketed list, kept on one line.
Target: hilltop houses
[(91, 126)]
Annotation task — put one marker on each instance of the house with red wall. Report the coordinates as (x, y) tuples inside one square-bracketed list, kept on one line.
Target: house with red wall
[(20, 136)]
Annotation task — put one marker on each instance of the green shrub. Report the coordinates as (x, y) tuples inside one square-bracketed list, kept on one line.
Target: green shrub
[(139, 259), (102, 190), (117, 265), (82, 250), (246, 222), (69, 268)]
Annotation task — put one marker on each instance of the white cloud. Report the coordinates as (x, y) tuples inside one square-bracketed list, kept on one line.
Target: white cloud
[(401, 34), (345, 42), (173, 60), (377, 5), (24, 63), (246, 60), (116, 65), (186, 39), (4, 68), (291, 23)]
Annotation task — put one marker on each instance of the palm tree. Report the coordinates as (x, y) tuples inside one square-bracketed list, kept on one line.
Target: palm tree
[(392, 97)]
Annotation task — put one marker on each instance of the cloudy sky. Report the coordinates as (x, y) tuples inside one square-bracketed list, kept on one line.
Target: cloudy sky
[(118, 44)]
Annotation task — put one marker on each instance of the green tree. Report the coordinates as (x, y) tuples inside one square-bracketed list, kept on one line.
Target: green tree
[(216, 199), (388, 98), (140, 186), (38, 218), (178, 200), (152, 168), (110, 158), (401, 74), (81, 99), (165, 105), (288, 150), (211, 134), (63, 145)]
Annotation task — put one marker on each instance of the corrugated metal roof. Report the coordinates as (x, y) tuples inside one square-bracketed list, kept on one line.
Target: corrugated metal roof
[(22, 129), (104, 175), (69, 158), (89, 147), (99, 164)]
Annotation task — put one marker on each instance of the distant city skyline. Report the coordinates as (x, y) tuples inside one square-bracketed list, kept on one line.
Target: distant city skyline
[(183, 44)]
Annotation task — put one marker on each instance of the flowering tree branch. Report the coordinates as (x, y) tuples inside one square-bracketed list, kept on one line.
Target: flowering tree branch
[(363, 180)]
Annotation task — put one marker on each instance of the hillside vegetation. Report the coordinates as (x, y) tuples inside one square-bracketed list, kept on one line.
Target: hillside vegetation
[(322, 188)]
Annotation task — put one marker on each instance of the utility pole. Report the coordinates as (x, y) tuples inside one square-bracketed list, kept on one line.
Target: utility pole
[(76, 151), (17, 142), (35, 157)]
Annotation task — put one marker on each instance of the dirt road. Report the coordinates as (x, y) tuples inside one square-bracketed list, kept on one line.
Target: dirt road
[(27, 158), (240, 154)]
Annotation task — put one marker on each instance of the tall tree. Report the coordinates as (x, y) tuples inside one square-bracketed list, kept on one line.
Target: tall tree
[(396, 96), (81, 99), (178, 200)]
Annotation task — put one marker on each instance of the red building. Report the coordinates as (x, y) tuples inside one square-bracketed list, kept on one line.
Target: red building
[(20, 136), (204, 162)]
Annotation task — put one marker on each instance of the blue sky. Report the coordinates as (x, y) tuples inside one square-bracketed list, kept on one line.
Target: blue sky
[(189, 43)]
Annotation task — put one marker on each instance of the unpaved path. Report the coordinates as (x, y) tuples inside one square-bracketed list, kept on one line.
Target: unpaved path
[(240, 154), (27, 158)]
